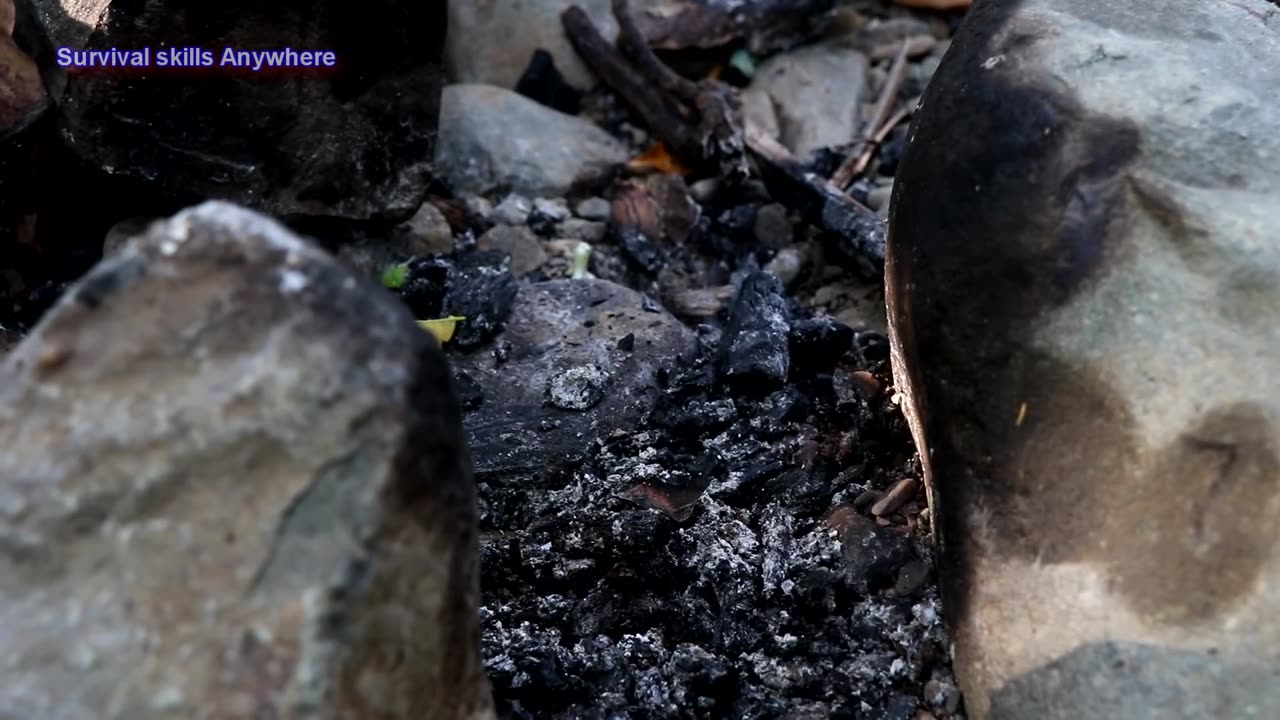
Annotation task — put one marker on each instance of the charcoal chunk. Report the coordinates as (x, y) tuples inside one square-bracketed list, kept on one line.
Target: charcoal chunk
[(820, 342), (483, 291), (754, 355)]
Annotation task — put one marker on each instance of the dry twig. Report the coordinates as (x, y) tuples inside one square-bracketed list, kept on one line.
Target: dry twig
[(856, 163)]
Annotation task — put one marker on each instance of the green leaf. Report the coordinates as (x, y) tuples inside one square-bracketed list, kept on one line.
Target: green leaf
[(395, 276)]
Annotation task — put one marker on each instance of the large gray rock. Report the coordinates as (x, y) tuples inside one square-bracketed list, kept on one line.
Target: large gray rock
[(354, 141), (809, 98), (1084, 287), (234, 484), (491, 41), (492, 139)]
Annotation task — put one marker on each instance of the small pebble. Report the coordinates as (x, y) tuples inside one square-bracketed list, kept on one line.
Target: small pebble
[(595, 208), (911, 578), (704, 190), (700, 303), (513, 210), (787, 264), (898, 495), (478, 207), (867, 384), (518, 243), (585, 230), (426, 233), (552, 208), (772, 227)]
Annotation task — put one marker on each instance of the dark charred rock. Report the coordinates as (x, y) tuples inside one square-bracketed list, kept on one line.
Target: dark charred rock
[(820, 342), (786, 405), (476, 286), (482, 291), (548, 336), (470, 394), (872, 348), (425, 287), (700, 417), (354, 141), (754, 352), (543, 223), (872, 554), (738, 222), (640, 249)]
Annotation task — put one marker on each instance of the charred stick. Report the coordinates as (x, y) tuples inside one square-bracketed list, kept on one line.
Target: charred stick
[(860, 235), (659, 110), (721, 129), (633, 44)]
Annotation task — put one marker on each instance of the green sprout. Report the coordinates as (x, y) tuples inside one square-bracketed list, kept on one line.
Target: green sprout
[(581, 257)]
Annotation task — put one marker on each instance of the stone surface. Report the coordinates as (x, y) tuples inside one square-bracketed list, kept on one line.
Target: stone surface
[(556, 327), (584, 230), (427, 232), (22, 94), (493, 140), (595, 208), (354, 142), (122, 232), (492, 41), (234, 485), (514, 209), (518, 243), (809, 98), (1085, 307)]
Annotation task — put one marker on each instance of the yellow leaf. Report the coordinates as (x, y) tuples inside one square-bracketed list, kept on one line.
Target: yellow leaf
[(441, 328)]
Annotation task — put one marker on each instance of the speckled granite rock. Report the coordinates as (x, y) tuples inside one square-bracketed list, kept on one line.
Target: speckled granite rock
[(234, 485), (1083, 289)]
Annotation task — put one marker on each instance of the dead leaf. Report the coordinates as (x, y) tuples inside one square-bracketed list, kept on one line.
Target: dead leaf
[(634, 208), (676, 503), (658, 159)]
